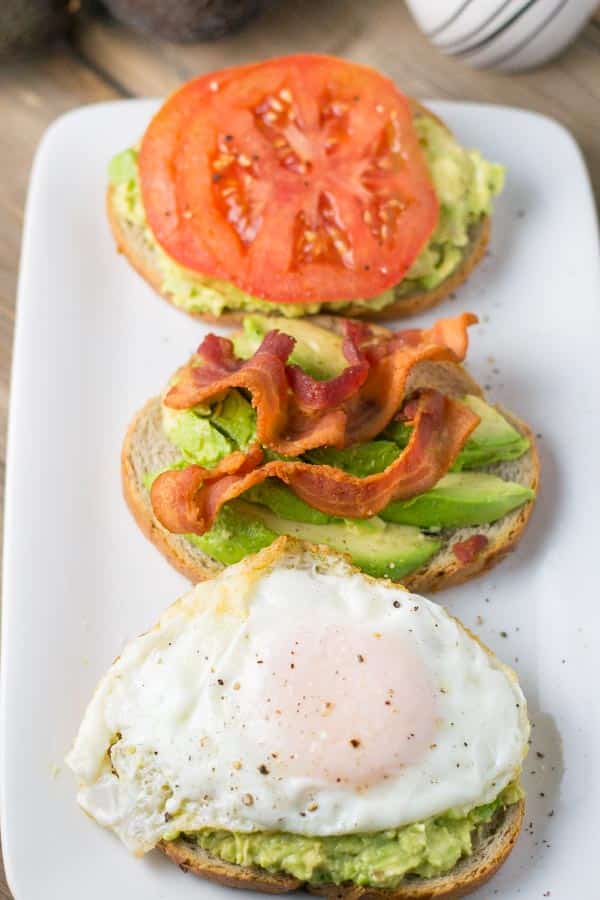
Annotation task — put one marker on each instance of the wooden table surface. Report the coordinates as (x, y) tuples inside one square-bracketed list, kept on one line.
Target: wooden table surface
[(103, 61)]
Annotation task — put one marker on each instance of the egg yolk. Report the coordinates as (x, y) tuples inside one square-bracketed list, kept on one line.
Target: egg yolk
[(340, 704)]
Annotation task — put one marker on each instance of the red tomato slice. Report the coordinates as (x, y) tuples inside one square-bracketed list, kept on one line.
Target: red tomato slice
[(297, 179)]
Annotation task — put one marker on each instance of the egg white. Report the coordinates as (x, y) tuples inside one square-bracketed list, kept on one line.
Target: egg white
[(174, 739)]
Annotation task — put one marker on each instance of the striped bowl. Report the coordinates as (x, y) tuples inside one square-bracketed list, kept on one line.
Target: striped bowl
[(502, 34)]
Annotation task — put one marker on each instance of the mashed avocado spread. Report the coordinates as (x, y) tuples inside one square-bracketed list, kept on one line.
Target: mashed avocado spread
[(381, 859), (465, 184)]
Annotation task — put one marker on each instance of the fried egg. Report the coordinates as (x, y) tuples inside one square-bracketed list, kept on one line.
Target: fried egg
[(293, 693)]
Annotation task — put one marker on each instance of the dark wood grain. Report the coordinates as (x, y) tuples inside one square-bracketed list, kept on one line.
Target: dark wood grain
[(103, 60)]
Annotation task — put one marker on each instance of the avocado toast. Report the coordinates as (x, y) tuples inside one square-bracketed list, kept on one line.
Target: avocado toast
[(367, 239), (407, 706), (465, 522)]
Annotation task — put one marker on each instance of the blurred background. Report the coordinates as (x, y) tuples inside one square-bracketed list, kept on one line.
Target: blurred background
[(55, 55)]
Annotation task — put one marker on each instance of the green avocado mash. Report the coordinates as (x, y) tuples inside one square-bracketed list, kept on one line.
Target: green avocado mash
[(381, 859), (465, 184)]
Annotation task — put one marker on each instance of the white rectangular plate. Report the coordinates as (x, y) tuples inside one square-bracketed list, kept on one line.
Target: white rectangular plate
[(93, 343)]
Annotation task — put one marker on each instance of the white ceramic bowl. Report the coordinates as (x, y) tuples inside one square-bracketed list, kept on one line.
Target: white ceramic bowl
[(502, 34)]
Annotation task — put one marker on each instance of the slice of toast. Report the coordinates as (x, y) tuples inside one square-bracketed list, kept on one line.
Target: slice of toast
[(143, 256), (147, 450), (493, 847), (492, 842)]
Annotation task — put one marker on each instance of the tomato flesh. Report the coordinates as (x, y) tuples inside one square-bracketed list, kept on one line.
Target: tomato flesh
[(297, 179)]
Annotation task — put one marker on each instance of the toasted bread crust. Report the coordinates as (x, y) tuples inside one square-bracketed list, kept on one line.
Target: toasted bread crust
[(138, 501), (466, 877), (409, 305)]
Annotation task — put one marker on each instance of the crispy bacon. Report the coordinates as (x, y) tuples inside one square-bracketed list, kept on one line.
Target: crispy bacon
[(264, 376), (316, 396), (467, 551), (218, 352), (383, 392), (175, 497), (451, 333), (295, 412), (188, 501)]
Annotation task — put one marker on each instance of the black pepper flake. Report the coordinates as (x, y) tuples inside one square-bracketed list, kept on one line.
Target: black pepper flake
[(228, 137), (360, 657), (539, 755), (263, 769), (397, 604), (503, 634), (220, 681), (216, 178), (354, 742)]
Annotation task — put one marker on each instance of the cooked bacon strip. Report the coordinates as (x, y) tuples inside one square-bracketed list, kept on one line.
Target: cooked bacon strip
[(383, 392), (295, 413), (176, 497), (442, 425), (392, 362), (451, 333), (316, 396), (467, 551), (408, 411), (264, 376), (282, 425), (218, 353)]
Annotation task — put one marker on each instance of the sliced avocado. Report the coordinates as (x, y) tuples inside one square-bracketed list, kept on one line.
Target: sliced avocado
[(494, 439), (277, 497), (360, 460), (199, 441), (380, 549), (235, 416), (234, 535), (318, 351), (459, 499)]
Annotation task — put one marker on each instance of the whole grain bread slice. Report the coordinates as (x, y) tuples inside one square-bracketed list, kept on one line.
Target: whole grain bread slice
[(131, 241), (491, 849), (146, 450)]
